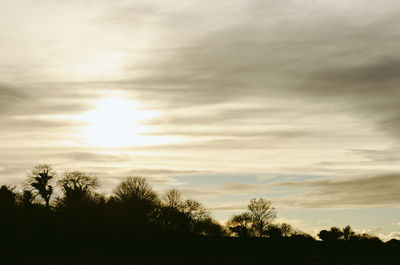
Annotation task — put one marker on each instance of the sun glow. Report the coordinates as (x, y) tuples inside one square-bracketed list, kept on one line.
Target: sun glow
[(116, 122), (100, 65)]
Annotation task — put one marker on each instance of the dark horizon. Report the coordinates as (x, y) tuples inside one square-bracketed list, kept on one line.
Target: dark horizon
[(45, 191), (136, 222)]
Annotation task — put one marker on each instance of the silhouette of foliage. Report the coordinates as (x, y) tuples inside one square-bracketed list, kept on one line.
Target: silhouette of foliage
[(77, 187), (7, 197), (256, 221), (40, 181), (240, 225), (134, 221), (173, 198), (347, 233), (262, 213), (26, 198), (273, 231), (135, 189), (287, 229), (195, 210), (334, 234)]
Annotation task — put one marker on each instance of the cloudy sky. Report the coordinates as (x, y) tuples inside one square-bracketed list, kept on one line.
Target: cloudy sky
[(295, 101)]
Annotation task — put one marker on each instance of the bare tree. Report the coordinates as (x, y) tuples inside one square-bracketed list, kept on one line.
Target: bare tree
[(40, 179), (173, 198), (287, 229), (77, 186), (135, 188), (256, 221), (262, 213), (195, 210)]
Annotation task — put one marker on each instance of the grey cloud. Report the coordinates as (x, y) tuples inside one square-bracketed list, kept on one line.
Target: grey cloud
[(221, 144), (267, 52), (230, 207), (256, 114), (381, 71), (8, 174), (199, 192), (93, 157), (243, 133), (229, 189), (29, 123), (334, 62), (163, 171), (10, 96), (29, 101), (370, 89), (240, 187), (370, 191), (388, 155)]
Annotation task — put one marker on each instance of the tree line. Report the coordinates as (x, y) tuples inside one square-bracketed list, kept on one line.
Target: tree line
[(133, 216)]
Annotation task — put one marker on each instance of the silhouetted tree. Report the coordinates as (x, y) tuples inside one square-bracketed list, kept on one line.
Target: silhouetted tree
[(287, 229), (334, 234), (134, 220), (324, 235), (195, 210), (299, 235), (77, 187), (240, 225), (187, 215), (40, 179), (208, 227), (393, 242), (7, 197), (136, 207), (200, 219), (173, 198), (366, 238), (262, 213), (7, 214), (348, 233), (26, 198), (172, 215), (255, 221), (135, 189), (273, 231)]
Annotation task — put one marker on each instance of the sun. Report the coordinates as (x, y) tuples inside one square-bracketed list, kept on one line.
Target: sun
[(116, 122)]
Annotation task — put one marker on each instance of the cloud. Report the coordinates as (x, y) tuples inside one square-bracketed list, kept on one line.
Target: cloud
[(231, 207), (370, 191), (253, 59), (382, 70), (383, 235), (242, 187), (10, 96), (391, 155), (265, 178)]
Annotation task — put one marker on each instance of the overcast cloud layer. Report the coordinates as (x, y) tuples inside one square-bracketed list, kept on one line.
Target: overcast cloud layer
[(266, 88)]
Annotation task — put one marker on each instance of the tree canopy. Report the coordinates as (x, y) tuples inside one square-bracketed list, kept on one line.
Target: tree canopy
[(256, 221), (40, 180)]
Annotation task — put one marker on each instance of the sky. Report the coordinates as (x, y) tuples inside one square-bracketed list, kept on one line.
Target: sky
[(294, 101)]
